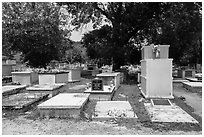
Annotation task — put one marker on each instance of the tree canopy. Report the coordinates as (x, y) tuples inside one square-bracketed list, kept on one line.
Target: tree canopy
[(33, 29), (130, 23)]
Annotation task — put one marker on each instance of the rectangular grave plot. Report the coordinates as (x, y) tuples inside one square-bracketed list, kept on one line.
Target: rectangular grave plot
[(22, 100), (161, 102)]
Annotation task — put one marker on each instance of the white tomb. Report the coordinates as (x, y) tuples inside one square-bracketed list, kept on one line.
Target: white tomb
[(25, 77), (156, 72), (53, 77), (107, 77), (74, 75)]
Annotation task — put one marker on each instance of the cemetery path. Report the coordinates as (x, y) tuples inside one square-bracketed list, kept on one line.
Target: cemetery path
[(29, 123)]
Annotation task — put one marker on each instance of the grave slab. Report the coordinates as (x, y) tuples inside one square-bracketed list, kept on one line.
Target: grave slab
[(113, 109), (46, 88), (12, 89), (64, 105), (77, 87), (22, 101), (193, 86), (168, 114)]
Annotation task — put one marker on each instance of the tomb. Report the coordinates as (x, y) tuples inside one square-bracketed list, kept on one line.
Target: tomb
[(64, 105), (92, 69), (99, 91), (113, 109), (25, 77), (52, 90), (53, 77), (6, 69), (168, 113), (156, 72), (22, 101), (110, 77), (74, 75), (12, 89), (183, 73), (193, 86)]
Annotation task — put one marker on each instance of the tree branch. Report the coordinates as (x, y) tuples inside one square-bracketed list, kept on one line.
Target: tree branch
[(95, 5)]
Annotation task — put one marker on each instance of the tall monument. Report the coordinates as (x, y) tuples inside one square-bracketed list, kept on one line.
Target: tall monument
[(156, 72)]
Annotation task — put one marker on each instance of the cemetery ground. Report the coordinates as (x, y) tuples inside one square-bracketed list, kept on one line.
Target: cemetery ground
[(29, 123)]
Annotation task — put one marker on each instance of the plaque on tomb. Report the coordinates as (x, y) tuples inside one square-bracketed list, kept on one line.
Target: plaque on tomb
[(97, 84)]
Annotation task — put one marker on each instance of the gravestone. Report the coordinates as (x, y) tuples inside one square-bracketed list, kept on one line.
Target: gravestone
[(97, 84), (156, 72)]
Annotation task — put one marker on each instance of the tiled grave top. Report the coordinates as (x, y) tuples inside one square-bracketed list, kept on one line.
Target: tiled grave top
[(193, 84), (12, 87), (110, 109), (105, 90), (108, 74), (168, 114), (65, 100), (46, 86)]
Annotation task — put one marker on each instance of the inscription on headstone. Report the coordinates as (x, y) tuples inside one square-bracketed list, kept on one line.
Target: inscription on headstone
[(97, 84)]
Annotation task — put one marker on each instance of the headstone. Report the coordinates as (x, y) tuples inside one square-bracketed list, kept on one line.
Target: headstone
[(97, 84)]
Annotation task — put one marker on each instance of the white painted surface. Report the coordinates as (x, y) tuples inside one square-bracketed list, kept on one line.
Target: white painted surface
[(111, 109), (147, 51), (66, 100), (168, 114), (12, 87), (25, 77), (156, 78), (106, 89), (46, 87)]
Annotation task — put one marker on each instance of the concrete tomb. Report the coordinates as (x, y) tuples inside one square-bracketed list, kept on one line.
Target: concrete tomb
[(99, 91), (110, 78), (113, 109), (64, 105), (156, 72), (6, 69), (193, 86), (52, 89), (25, 77), (11, 89), (53, 77), (22, 101), (74, 75), (168, 113)]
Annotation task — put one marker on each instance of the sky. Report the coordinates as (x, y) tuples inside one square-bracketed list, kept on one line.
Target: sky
[(77, 35)]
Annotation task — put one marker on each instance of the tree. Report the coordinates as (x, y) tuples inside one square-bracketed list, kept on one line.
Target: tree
[(127, 20), (175, 24), (33, 29), (76, 53), (181, 28)]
